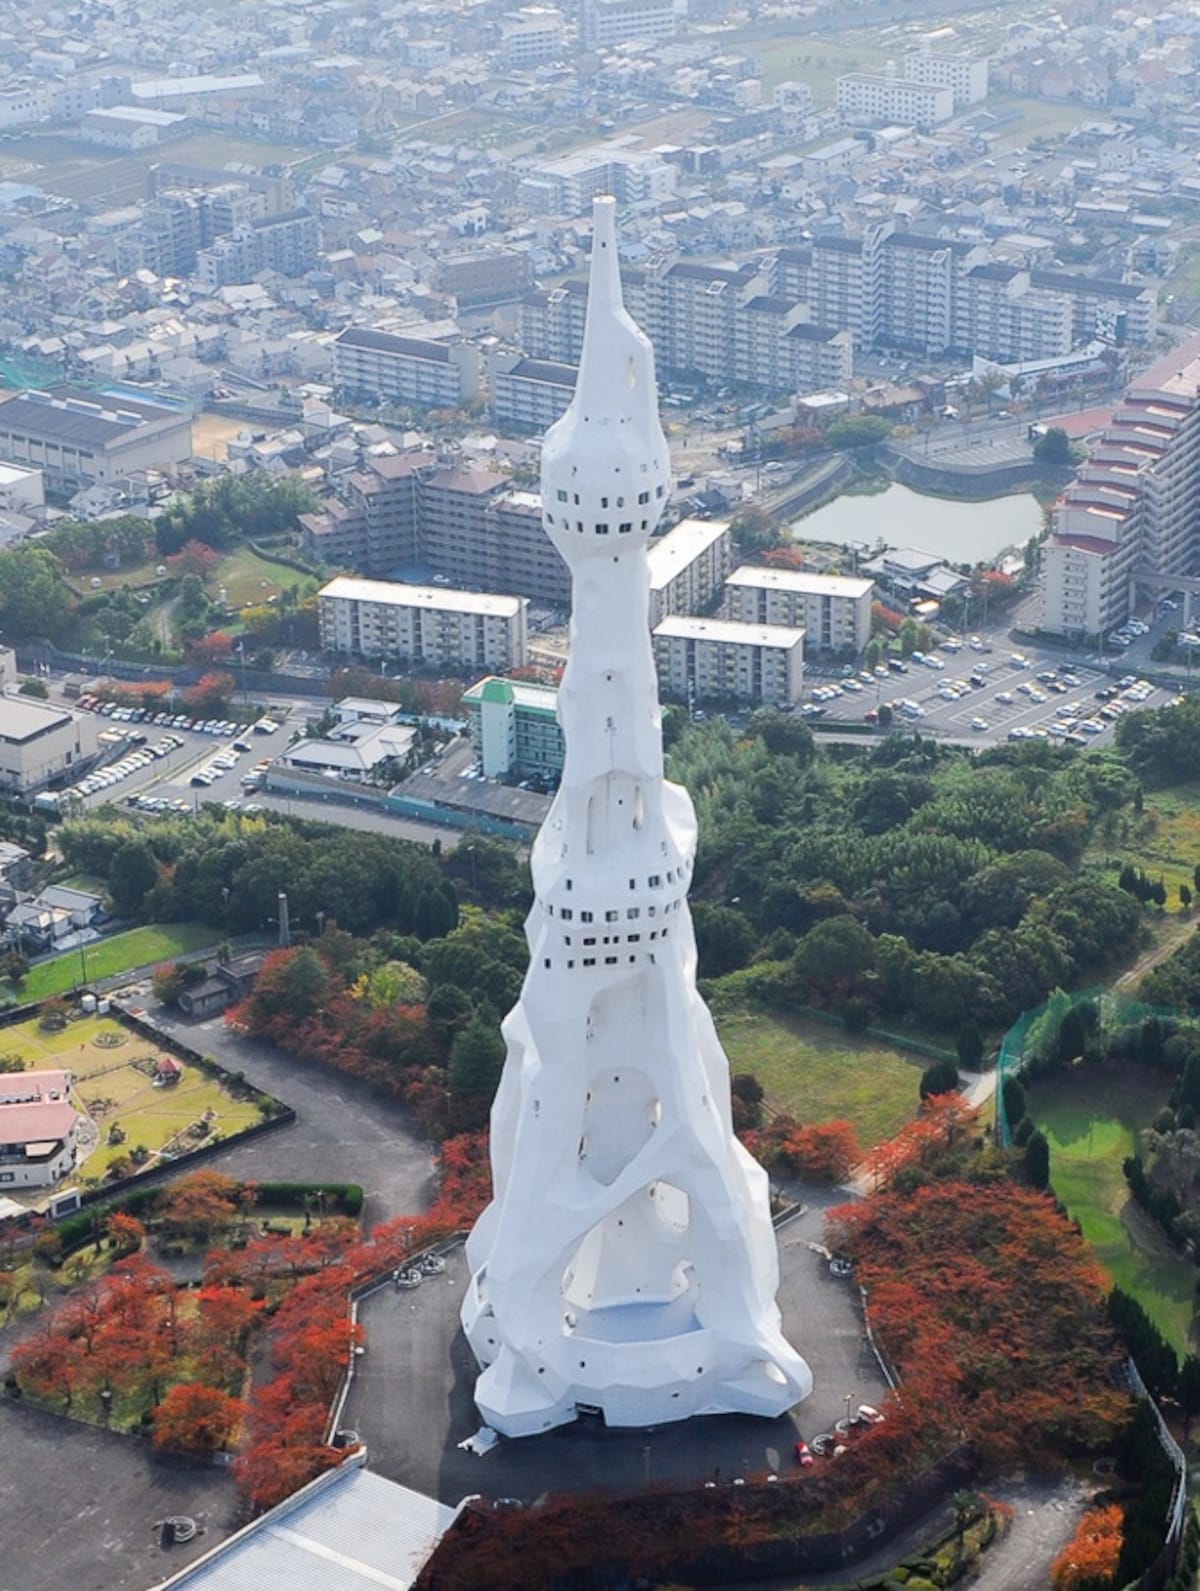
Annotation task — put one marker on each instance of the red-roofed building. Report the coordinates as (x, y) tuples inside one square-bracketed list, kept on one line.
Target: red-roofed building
[(38, 1129)]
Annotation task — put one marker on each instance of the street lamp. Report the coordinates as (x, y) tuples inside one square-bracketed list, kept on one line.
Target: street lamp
[(320, 925)]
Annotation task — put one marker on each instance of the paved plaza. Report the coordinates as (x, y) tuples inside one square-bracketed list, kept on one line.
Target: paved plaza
[(412, 1399)]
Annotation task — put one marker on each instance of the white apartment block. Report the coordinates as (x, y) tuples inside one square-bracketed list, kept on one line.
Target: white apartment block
[(532, 34), (867, 100), (834, 611), (604, 23), (966, 76), (1133, 507), (565, 185), (22, 490), (423, 624), (406, 370), (720, 660), (688, 567)]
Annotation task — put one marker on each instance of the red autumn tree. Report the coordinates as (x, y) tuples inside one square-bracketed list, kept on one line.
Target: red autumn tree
[(194, 558), (827, 1152), (1090, 1558), (199, 1205), (196, 1419), (209, 649), (125, 1232), (211, 694)]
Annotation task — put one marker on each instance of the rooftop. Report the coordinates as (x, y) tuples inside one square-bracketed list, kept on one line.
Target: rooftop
[(730, 632), (347, 1531), (801, 581), (22, 719), (396, 594)]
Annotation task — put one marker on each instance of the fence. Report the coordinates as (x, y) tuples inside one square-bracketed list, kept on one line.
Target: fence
[(1026, 1041), (1164, 1564)]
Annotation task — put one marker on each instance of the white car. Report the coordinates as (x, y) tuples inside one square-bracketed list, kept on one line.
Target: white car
[(852, 687), (1005, 698), (979, 725)]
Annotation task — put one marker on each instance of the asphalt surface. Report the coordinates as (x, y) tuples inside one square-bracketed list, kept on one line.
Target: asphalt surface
[(78, 1506), (411, 1401)]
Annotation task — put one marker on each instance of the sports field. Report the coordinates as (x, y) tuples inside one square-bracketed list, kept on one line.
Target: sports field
[(105, 958), (1092, 1123), (818, 1073)]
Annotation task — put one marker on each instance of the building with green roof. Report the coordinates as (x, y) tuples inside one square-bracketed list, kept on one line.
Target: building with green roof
[(514, 727)]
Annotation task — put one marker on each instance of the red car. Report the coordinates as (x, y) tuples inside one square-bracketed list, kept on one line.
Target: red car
[(803, 1457)]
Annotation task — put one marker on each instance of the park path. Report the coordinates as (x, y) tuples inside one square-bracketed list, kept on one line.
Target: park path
[(978, 1088), (1171, 940)]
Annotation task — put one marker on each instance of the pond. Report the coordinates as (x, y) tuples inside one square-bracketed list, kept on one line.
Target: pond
[(959, 532)]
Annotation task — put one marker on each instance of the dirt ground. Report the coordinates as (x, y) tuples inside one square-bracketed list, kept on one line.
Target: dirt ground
[(212, 433)]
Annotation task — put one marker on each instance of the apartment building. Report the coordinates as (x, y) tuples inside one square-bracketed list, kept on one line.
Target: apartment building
[(286, 243), (966, 76), (1001, 315), (834, 611), (867, 100), (909, 292), (1133, 507), (720, 322), (688, 567), (721, 660), (521, 557), (564, 185), (466, 525), (532, 34), (422, 624), (604, 23), (837, 294), (528, 393), (514, 727), (484, 276), (1117, 312), (406, 370)]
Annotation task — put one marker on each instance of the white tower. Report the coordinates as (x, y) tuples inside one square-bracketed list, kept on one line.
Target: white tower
[(626, 1263)]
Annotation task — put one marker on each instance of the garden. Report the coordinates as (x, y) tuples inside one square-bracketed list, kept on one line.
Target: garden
[(138, 1117)]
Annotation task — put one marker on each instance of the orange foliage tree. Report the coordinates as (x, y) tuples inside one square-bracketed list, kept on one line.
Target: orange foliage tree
[(1090, 1558), (992, 1309), (196, 1419)]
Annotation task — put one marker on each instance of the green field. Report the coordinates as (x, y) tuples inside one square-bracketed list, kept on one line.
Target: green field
[(114, 1084), (817, 1073), (819, 62), (105, 958), (247, 578), (1092, 1124), (1164, 840)]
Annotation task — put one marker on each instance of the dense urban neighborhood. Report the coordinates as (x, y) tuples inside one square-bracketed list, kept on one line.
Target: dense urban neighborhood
[(599, 836)]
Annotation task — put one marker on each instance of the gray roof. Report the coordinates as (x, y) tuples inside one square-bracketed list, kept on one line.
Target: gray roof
[(384, 342), (83, 418), (348, 1531)]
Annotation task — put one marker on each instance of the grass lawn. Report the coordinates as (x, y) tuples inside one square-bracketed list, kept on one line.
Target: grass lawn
[(819, 1074), (246, 577), (1091, 1124), (819, 62), (114, 1084), (105, 958), (1164, 841)]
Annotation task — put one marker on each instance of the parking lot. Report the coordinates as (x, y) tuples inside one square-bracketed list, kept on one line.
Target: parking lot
[(986, 691)]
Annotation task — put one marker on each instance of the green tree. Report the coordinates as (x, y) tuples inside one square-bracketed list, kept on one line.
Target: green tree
[(940, 1078), (970, 1045), (1053, 447), (476, 1059), (133, 872), (34, 598), (724, 939), (1037, 1160), (755, 530), (858, 430)]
